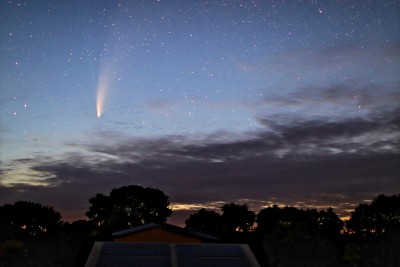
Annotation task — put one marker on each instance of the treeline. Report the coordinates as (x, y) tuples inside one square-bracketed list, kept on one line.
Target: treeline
[(238, 218), (380, 217), (35, 235)]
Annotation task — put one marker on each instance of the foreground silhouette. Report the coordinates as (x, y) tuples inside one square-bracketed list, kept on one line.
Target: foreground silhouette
[(34, 235), (128, 206)]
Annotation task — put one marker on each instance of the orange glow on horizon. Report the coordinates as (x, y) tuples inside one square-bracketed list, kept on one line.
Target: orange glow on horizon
[(196, 206)]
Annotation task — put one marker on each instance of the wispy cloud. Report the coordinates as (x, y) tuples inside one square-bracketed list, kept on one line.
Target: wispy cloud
[(317, 163), (342, 96)]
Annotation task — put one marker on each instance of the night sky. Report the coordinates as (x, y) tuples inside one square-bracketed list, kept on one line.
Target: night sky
[(258, 102)]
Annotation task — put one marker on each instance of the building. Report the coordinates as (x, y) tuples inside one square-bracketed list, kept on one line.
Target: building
[(166, 245)]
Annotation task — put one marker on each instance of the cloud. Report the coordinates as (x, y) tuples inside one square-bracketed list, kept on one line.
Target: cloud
[(340, 99), (372, 132), (350, 56), (311, 163)]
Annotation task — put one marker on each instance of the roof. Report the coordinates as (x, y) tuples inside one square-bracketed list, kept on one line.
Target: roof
[(167, 227), (107, 254)]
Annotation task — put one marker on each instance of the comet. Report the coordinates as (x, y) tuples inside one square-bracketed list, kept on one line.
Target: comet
[(101, 95), (102, 88)]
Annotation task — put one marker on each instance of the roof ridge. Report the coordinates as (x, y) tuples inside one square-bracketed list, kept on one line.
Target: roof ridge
[(165, 226)]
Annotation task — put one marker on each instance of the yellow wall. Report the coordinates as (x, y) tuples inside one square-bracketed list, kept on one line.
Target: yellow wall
[(157, 235)]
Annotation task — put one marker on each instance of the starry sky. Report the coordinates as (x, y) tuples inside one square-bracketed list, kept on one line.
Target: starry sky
[(258, 102)]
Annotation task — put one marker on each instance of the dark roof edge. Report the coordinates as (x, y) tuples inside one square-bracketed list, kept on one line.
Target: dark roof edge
[(94, 254)]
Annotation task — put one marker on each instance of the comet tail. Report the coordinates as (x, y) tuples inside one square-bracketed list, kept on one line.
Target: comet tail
[(101, 95)]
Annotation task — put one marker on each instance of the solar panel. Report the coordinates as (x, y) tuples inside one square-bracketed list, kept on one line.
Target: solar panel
[(136, 261), (113, 254), (131, 249), (209, 250), (213, 262)]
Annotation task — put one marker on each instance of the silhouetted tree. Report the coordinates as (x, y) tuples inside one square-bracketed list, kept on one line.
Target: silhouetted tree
[(381, 216), (306, 221), (128, 206), (27, 219), (329, 223), (268, 218), (296, 237), (237, 217), (271, 218), (205, 221)]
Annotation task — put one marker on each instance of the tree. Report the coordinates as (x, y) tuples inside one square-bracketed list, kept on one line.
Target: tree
[(237, 217), (329, 223), (27, 219), (305, 221), (377, 218), (268, 218), (128, 206), (205, 221), (296, 237), (271, 218)]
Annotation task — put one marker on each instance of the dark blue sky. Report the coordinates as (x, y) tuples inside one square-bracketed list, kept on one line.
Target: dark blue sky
[(260, 102)]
